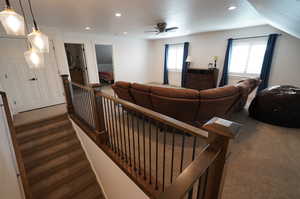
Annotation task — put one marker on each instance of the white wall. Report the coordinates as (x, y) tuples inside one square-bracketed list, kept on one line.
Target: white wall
[(129, 55), (8, 172), (113, 180), (285, 67)]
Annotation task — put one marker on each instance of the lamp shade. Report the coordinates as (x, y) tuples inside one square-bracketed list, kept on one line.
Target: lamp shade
[(188, 59), (215, 58), (34, 58), (39, 41), (12, 22)]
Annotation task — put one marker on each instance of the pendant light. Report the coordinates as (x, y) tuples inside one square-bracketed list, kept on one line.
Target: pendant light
[(12, 22), (39, 41), (33, 58)]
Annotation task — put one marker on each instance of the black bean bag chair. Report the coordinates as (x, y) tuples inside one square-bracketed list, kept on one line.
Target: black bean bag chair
[(278, 105)]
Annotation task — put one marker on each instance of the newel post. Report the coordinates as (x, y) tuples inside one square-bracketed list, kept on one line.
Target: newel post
[(68, 95), (220, 133), (99, 114)]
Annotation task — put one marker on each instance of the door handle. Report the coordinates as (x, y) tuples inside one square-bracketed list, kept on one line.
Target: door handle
[(33, 79)]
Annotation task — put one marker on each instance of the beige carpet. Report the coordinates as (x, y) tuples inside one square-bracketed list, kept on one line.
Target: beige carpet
[(265, 162)]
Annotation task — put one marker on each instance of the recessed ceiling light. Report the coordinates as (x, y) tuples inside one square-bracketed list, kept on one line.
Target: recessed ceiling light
[(232, 8), (87, 28), (125, 33), (118, 14)]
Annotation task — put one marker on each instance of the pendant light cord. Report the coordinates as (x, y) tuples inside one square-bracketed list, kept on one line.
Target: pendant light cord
[(34, 22), (25, 21)]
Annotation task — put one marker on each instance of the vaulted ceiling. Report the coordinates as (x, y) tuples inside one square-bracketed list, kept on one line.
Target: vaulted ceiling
[(191, 16)]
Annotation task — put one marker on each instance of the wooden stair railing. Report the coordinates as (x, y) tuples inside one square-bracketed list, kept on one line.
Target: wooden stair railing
[(20, 162), (135, 139)]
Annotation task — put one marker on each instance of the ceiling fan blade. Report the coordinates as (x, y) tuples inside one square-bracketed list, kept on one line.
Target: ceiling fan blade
[(150, 31), (170, 29)]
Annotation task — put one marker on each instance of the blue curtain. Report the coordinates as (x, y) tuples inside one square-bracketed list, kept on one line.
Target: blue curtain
[(266, 67), (166, 78), (184, 64), (224, 78)]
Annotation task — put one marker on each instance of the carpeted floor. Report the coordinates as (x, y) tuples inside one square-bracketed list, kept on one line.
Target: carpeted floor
[(264, 164)]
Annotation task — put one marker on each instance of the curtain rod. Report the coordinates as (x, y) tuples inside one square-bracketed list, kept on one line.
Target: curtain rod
[(253, 37)]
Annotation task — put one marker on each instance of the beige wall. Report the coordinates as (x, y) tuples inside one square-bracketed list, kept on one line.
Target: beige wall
[(285, 67), (130, 55), (10, 187), (113, 180)]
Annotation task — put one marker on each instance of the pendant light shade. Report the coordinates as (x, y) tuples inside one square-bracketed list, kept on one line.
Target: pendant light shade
[(39, 41), (12, 22), (34, 58)]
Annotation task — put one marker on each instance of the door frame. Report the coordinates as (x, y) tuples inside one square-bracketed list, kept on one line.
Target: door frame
[(86, 69), (113, 55)]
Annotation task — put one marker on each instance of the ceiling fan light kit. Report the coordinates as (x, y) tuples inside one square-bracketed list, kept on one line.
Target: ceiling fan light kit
[(12, 22)]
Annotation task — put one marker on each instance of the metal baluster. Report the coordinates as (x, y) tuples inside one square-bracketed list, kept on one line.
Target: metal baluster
[(150, 178), (129, 150), (172, 158), (106, 121), (133, 140), (182, 152), (120, 130), (116, 125), (156, 159), (113, 126), (144, 146), (193, 157), (139, 153), (110, 124), (164, 159), (124, 134)]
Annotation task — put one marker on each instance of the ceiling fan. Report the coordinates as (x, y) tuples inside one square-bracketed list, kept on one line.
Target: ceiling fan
[(161, 28)]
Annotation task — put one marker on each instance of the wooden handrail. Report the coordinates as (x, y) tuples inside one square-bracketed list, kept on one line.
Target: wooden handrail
[(158, 116), (185, 181), (17, 150)]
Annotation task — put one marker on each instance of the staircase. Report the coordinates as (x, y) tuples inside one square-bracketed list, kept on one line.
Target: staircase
[(55, 163)]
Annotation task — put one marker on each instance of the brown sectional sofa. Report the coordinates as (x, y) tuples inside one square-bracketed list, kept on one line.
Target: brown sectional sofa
[(188, 105)]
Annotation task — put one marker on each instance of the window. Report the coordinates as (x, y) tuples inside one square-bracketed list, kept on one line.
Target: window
[(247, 57), (175, 57)]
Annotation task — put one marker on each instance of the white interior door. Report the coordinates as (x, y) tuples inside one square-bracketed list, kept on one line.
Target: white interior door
[(49, 80), (27, 88)]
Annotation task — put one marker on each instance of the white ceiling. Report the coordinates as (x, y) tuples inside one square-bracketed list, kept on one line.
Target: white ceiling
[(282, 14), (191, 16)]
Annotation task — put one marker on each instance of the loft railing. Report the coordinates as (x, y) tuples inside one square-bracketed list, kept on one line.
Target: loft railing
[(13, 135), (166, 158)]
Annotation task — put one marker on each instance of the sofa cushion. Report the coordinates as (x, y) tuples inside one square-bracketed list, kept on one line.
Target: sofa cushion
[(175, 92), (122, 90), (181, 104), (217, 102), (218, 92), (141, 95)]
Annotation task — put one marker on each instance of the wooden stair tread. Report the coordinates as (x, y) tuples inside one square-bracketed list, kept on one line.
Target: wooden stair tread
[(53, 156), (35, 178), (49, 144), (41, 168), (56, 177), (40, 123), (39, 133), (79, 177), (91, 192), (49, 151)]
